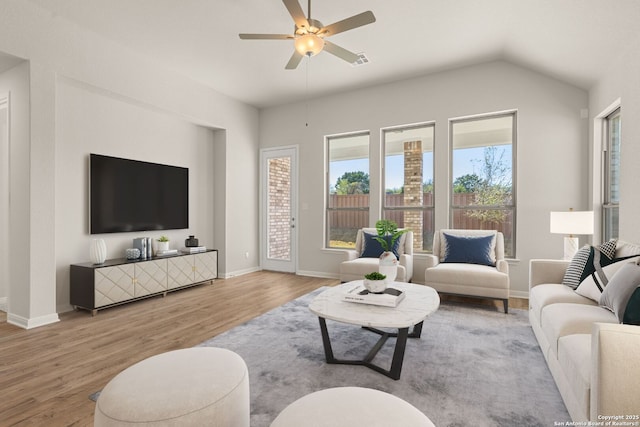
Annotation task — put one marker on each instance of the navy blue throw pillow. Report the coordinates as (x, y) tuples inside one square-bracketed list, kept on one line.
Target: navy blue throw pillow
[(373, 248), (469, 249)]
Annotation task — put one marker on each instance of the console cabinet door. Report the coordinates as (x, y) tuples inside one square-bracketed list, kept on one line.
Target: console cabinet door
[(180, 271), (113, 284), (150, 277), (206, 266)]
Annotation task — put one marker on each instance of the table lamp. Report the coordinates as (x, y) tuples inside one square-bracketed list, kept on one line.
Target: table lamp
[(570, 223)]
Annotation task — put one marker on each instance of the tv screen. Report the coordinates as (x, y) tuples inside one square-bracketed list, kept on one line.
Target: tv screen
[(130, 195)]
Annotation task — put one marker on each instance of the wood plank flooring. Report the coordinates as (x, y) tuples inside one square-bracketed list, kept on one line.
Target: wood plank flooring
[(47, 373)]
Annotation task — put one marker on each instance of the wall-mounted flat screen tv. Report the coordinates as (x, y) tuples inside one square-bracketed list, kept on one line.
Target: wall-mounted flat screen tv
[(130, 195)]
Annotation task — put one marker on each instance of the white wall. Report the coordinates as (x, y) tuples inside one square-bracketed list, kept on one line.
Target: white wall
[(15, 83), (552, 149), (90, 121), (60, 52), (622, 82)]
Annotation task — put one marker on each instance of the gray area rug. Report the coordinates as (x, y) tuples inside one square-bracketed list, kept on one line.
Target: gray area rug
[(473, 365)]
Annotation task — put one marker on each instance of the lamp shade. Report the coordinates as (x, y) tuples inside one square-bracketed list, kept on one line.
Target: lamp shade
[(308, 44), (571, 222)]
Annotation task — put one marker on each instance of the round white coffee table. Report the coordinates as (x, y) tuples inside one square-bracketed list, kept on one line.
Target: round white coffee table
[(419, 302)]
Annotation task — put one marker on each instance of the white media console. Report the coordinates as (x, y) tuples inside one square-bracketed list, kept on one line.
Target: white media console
[(118, 281)]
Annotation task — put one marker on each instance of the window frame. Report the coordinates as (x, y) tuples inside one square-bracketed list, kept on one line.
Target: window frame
[(609, 207), (327, 191), (512, 208), (423, 208)]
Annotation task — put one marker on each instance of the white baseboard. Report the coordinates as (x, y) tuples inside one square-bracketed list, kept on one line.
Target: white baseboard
[(25, 323), (322, 274), (239, 273), (3, 304)]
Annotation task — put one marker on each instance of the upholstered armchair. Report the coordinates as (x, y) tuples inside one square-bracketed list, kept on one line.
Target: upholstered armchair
[(359, 262), (469, 263)]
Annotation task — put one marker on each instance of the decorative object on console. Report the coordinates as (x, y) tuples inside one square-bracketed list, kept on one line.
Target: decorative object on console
[(191, 242), (572, 222), (193, 250), (375, 282), (163, 244), (388, 235), (132, 253), (98, 251), (140, 243)]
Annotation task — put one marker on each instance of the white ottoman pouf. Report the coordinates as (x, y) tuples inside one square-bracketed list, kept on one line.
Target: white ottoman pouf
[(200, 386), (351, 407)]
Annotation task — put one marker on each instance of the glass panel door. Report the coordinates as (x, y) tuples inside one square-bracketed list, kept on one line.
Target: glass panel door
[(279, 219)]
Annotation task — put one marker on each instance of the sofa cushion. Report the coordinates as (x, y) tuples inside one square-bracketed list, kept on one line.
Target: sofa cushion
[(582, 263), (617, 293), (472, 233), (632, 312), (373, 248), (562, 319), (469, 249), (593, 285), (574, 357), (470, 274), (542, 295)]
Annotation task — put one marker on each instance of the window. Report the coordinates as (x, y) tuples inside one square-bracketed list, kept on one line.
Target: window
[(611, 202), (483, 176), (408, 181), (347, 188)]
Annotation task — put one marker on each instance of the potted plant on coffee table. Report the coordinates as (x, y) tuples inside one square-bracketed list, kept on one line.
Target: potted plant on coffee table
[(388, 234), (375, 282)]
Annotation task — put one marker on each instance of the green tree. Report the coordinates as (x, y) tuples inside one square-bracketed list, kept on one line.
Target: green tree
[(469, 183), (353, 183), (495, 186)]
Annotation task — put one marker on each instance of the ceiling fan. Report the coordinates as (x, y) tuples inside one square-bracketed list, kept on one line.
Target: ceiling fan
[(309, 36)]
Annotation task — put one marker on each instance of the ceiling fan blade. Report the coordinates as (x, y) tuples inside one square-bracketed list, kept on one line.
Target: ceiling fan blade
[(294, 61), (266, 36), (355, 21), (340, 52), (296, 12)]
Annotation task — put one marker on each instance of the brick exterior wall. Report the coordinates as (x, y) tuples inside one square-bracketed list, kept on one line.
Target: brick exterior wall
[(413, 188), (279, 209)]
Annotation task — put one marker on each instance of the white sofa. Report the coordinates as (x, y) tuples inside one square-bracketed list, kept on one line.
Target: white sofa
[(468, 279), (354, 267), (594, 360)]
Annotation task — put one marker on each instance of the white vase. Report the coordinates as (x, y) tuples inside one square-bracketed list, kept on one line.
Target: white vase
[(98, 251), (162, 247), (388, 266)]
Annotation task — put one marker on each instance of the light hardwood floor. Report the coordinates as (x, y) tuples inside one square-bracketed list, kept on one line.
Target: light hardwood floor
[(48, 373)]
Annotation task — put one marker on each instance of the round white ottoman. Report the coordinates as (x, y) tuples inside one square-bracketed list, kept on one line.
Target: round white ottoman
[(191, 387), (351, 407)]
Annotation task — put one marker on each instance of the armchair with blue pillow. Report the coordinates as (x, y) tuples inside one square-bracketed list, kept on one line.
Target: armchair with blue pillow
[(469, 263), (365, 258)]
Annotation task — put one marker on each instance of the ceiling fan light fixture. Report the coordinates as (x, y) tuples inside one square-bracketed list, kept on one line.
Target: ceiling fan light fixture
[(308, 44)]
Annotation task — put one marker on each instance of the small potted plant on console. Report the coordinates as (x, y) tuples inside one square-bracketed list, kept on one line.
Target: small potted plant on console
[(163, 244), (375, 282)]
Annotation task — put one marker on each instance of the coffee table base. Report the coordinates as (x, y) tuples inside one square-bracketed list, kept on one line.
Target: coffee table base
[(398, 353)]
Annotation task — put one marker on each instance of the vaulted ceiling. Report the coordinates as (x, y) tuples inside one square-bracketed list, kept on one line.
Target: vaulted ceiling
[(572, 40)]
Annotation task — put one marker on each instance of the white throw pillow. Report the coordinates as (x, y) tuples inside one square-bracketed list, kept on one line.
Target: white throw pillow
[(593, 285)]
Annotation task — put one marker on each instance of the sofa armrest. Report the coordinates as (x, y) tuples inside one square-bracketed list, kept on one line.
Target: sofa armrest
[(350, 255), (502, 266), (615, 369), (546, 271), (406, 260), (431, 261)]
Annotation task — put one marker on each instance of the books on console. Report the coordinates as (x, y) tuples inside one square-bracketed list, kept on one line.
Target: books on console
[(167, 252), (193, 249), (390, 297)]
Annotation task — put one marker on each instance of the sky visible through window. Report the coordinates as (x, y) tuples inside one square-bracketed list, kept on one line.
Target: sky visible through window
[(468, 161)]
